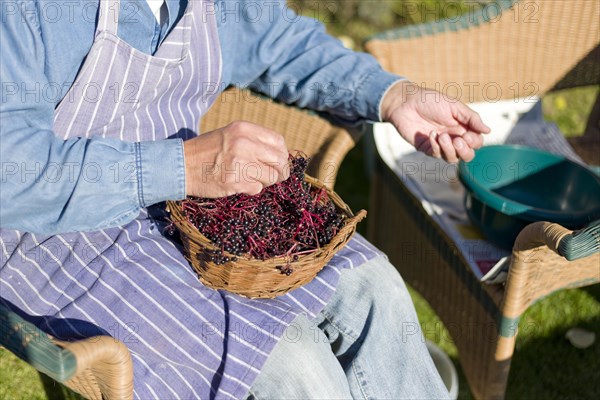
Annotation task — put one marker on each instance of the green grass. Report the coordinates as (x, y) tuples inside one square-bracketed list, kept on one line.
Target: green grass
[(19, 381), (359, 19), (545, 365), (569, 109)]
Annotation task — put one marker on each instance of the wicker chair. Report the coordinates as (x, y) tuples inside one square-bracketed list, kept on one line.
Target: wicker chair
[(100, 367), (520, 49)]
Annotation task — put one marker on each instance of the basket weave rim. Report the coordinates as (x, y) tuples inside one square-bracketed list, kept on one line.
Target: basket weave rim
[(179, 220)]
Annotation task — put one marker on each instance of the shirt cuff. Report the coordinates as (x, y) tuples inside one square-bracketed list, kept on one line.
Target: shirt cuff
[(160, 171), (373, 88)]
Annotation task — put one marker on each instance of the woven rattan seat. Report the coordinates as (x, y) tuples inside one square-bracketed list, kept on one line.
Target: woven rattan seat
[(101, 367), (517, 49)]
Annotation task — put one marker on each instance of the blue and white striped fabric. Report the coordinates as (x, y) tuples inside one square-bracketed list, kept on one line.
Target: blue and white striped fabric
[(132, 282), (187, 341)]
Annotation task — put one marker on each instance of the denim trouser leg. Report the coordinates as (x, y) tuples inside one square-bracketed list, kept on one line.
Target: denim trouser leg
[(366, 344)]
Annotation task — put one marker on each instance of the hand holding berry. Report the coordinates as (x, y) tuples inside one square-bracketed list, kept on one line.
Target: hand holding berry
[(241, 157), (435, 124)]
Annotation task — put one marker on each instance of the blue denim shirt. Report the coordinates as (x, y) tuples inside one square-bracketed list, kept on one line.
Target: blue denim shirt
[(264, 45)]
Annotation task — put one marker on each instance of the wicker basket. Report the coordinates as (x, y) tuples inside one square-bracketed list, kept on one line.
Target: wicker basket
[(256, 278)]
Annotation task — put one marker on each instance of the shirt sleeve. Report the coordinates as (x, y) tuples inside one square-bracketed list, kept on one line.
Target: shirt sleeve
[(271, 49), (50, 185)]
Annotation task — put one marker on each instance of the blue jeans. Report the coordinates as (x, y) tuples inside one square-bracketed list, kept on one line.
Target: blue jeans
[(365, 344)]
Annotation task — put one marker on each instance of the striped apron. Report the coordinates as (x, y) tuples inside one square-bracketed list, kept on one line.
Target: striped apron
[(132, 282)]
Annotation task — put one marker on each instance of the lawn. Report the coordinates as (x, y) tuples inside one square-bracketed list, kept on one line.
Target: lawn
[(545, 365)]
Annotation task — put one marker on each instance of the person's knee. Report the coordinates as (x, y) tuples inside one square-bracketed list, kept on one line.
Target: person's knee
[(378, 282), (302, 365)]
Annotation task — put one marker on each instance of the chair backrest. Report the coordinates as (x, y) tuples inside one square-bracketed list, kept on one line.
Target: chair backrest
[(305, 131), (508, 49)]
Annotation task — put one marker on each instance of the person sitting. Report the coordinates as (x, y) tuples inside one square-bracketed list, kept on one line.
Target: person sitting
[(101, 102)]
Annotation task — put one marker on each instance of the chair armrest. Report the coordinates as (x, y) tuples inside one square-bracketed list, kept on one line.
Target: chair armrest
[(537, 269), (104, 368), (33, 346), (570, 245), (99, 367), (582, 243), (539, 234)]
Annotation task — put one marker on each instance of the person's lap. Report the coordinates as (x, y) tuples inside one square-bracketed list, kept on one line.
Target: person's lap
[(186, 341), (125, 284)]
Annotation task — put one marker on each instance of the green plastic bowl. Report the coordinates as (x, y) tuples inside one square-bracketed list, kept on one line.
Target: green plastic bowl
[(508, 187)]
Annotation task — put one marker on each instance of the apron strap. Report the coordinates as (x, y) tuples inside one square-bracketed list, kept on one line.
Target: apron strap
[(108, 19)]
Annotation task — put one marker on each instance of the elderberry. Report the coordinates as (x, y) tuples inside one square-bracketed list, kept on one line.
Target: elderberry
[(289, 219)]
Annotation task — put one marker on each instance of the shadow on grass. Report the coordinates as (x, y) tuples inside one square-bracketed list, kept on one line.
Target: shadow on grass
[(56, 391), (593, 291), (545, 365), (551, 368)]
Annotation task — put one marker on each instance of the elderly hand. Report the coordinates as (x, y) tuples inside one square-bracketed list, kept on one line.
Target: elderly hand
[(435, 124), (241, 157)]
